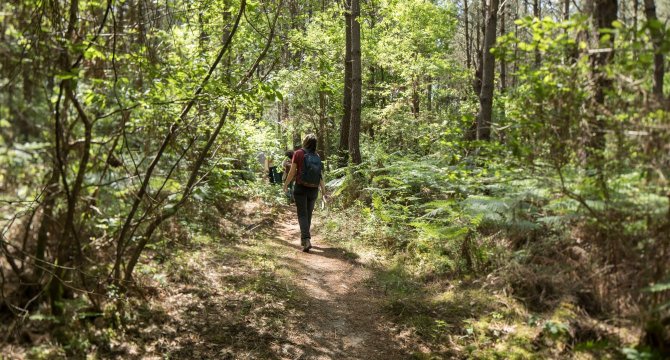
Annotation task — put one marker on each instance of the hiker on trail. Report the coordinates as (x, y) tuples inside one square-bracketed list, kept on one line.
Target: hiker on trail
[(287, 168), (306, 168), (270, 168)]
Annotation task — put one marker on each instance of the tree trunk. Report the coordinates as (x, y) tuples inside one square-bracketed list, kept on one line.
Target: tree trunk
[(429, 93), (416, 100), (636, 6), (566, 17), (604, 13), (488, 73), (356, 83), (280, 126), (202, 39), (655, 29), (346, 100), (468, 43), (503, 63), (372, 98), (322, 125), (481, 29), (538, 14)]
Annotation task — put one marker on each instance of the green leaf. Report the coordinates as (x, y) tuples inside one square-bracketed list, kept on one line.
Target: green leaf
[(617, 24), (659, 287)]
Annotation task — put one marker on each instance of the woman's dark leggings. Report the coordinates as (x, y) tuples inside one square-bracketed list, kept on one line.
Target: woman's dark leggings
[(305, 198)]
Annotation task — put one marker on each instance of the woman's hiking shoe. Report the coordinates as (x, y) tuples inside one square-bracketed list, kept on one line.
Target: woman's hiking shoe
[(307, 246)]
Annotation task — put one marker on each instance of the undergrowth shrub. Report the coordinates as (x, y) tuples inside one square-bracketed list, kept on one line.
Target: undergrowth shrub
[(541, 231)]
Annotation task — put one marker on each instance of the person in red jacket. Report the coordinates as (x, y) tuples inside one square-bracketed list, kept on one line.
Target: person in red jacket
[(305, 192)]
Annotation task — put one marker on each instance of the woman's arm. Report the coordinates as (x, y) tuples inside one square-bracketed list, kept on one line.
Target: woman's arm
[(290, 176)]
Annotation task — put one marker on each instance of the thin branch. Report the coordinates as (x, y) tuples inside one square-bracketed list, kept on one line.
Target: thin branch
[(121, 241)]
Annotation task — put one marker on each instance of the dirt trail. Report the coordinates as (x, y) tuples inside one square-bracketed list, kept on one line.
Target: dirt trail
[(342, 312), (258, 296)]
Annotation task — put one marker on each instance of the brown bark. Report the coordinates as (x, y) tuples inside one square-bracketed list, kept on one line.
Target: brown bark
[(468, 42), (481, 29), (503, 63), (657, 40), (416, 100), (346, 100), (322, 125), (537, 13), (356, 84), (488, 73), (604, 13), (429, 93)]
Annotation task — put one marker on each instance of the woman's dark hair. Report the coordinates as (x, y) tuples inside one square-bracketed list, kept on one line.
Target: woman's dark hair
[(309, 142), (289, 154)]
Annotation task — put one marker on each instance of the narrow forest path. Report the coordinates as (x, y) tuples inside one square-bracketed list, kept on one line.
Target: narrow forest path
[(343, 316), (251, 293)]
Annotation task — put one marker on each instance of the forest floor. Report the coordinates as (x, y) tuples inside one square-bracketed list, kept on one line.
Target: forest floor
[(260, 296), (235, 285)]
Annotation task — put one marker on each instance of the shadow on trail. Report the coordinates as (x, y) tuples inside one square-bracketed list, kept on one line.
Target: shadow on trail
[(335, 253), (214, 306), (342, 315), (261, 297)]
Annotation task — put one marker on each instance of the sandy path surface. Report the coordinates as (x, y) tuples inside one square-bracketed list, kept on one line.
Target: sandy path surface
[(342, 312)]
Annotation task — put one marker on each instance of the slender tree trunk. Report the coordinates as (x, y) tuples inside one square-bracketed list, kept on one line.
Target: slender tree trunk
[(537, 12), (297, 141), (346, 99), (503, 63), (604, 13), (356, 83), (372, 98), (322, 125), (280, 126), (202, 39), (47, 222), (416, 100), (657, 41), (481, 29), (64, 247), (429, 93), (468, 43), (488, 73), (636, 6)]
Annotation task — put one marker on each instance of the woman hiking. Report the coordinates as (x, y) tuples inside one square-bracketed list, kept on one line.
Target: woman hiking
[(286, 165), (307, 169)]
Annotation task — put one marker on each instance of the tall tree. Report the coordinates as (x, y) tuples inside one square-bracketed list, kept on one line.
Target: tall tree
[(655, 28), (604, 14), (488, 73), (503, 62), (537, 13), (346, 99), (481, 30), (468, 42), (356, 83)]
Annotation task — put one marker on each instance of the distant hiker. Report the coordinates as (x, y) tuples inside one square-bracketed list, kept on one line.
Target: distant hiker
[(306, 168), (271, 169), (287, 168), (262, 160)]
